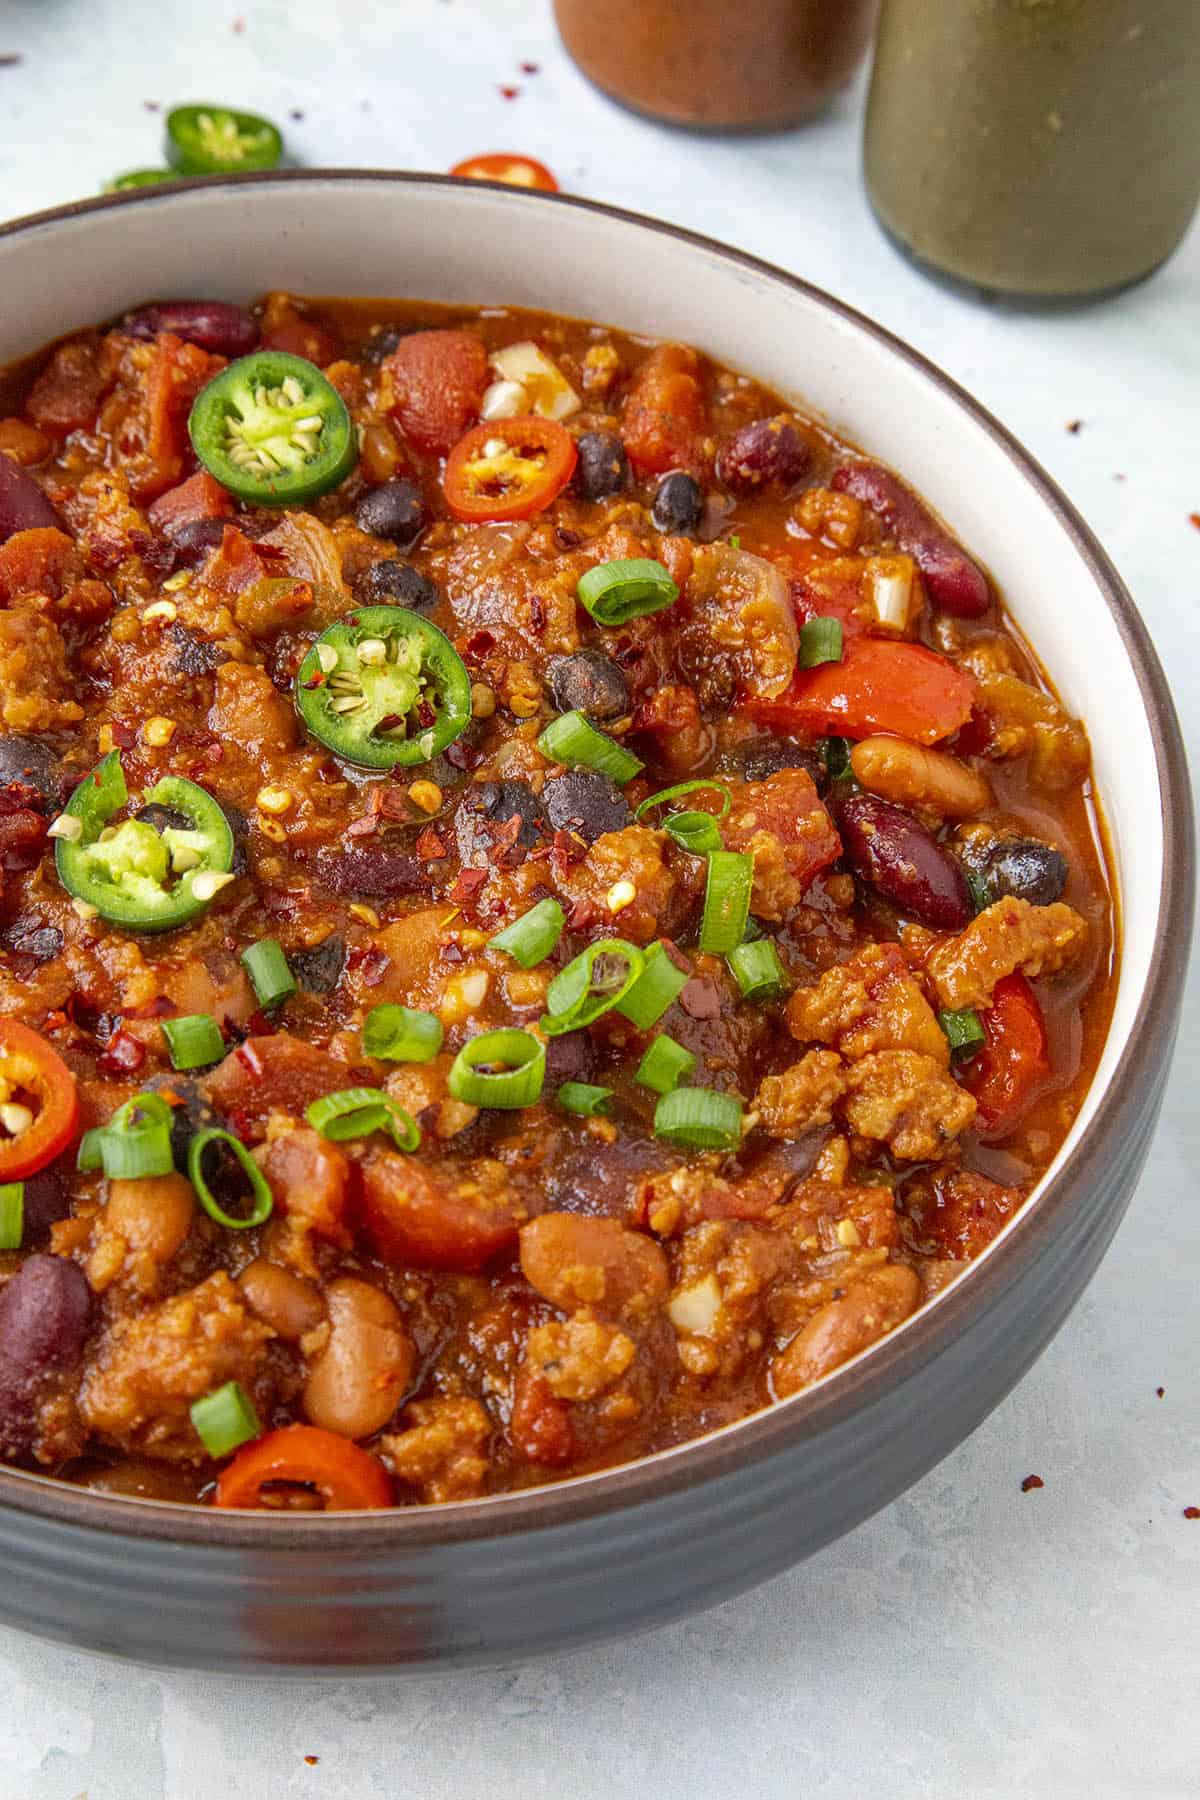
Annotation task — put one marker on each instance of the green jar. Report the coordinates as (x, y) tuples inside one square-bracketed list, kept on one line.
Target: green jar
[(1047, 148)]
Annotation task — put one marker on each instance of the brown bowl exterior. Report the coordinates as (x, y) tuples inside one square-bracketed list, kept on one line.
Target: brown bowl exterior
[(606, 1555)]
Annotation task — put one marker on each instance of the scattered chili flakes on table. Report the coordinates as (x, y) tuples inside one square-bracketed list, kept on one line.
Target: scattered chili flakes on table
[(312, 1761), (1160, 1392), (1195, 519), (1030, 1482), (1191, 1512)]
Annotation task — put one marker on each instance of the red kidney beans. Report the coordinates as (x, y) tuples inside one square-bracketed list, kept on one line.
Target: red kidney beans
[(769, 450), (888, 848), (23, 506), (955, 584), (212, 324), (44, 1315), (363, 869), (47, 1198)]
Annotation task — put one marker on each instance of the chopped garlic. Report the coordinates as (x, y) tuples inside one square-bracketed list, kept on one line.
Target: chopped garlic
[(504, 400), (547, 391), (695, 1308), (889, 582)]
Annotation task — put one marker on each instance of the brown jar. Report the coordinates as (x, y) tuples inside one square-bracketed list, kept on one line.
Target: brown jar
[(1042, 148), (717, 65)]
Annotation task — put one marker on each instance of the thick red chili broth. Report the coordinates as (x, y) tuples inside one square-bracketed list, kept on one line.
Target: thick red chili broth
[(302, 712)]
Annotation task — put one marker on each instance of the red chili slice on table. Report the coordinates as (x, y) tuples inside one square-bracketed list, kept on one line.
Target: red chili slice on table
[(509, 469), (513, 170), (35, 1079)]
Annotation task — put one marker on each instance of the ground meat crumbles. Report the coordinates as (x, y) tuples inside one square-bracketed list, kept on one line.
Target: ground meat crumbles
[(544, 905)]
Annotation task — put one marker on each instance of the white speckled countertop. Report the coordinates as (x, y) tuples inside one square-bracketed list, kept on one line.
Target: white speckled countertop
[(972, 1642)]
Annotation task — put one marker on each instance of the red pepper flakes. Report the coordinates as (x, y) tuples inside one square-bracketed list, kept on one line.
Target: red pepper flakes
[(530, 68), (123, 736), (467, 885), (1191, 1512), (1160, 1392), (1030, 1482), (122, 1055), (1195, 519), (1075, 426), (429, 846), (479, 643), (583, 915), (312, 1761), (508, 93), (364, 826)]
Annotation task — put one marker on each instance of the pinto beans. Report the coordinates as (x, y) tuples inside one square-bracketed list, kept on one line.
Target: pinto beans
[(575, 1261), (287, 1303), (152, 1215), (212, 324), (44, 1314), (874, 1305), (357, 1380), (955, 584), (911, 775), (889, 849)]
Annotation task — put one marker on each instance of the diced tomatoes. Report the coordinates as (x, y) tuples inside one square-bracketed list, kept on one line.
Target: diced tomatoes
[(1014, 1062), (199, 497), (879, 685), (175, 376), (437, 381), (66, 395), (665, 416), (36, 562)]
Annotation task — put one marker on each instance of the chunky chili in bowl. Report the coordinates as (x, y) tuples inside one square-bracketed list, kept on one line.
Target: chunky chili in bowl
[(544, 905)]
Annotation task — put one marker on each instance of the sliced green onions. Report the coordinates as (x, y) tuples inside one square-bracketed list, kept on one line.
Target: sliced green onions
[(401, 1034), (267, 967), (357, 1112), (758, 971), (665, 1065), (583, 1098), (504, 1069), (224, 1143), (193, 1041), (615, 592), (530, 939), (657, 987), (696, 832), (964, 1032), (135, 1143), (574, 741), (665, 795), (835, 752), (820, 642), (726, 900), (12, 1215), (225, 1418), (593, 983), (699, 1119)]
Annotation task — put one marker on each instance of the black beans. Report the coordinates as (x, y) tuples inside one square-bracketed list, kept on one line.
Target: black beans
[(381, 343), (678, 503), (190, 1111), (889, 849), (194, 655), (393, 510), (29, 762), (603, 468), (569, 1057), (586, 803), (1026, 869), (212, 324), (394, 582), (483, 824), (23, 506), (591, 683), (370, 869), (41, 942), (47, 1200), (319, 970), (44, 1314), (769, 450), (767, 756)]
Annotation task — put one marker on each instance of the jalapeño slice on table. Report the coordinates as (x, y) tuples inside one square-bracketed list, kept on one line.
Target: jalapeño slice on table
[(272, 430), (215, 140), (132, 873), (383, 686)]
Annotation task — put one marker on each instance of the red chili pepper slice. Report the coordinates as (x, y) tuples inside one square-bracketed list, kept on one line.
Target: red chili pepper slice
[(509, 469), (347, 1479), (35, 1077), (1013, 1062), (507, 166)]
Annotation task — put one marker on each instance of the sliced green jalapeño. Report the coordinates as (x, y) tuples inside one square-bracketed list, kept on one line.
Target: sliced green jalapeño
[(383, 686), (133, 874), (273, 430), (215, 140)]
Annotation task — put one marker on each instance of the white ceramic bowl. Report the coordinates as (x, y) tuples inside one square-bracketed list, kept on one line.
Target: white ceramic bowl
[(617, 1550)]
